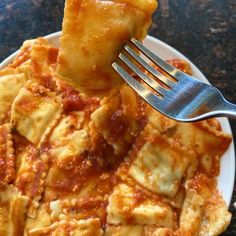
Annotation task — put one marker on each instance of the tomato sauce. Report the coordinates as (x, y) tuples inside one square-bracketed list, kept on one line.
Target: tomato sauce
[(181, 65), (21, 57)]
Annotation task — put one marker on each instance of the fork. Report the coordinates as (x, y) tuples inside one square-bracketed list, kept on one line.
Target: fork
[(178, 96)]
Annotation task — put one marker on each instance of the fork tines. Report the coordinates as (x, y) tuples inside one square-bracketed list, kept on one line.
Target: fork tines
[(164, 83), (176, 94)]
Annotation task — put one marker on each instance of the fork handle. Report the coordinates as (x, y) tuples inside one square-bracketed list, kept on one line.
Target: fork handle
[(228, 109), (224, 108)]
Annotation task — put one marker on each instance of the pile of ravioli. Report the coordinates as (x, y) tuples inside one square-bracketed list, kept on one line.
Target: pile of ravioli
[(100, 162), (103, 164)]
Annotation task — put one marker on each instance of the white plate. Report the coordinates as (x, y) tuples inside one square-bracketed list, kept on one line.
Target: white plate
[(226, 177)]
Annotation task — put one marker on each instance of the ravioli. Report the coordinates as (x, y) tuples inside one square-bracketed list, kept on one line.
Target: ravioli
[(204, 137), (96, 31), (160, 166), (192, 210), (34, 111), (30, 173), (123, 208), (7, 156), (216, 217), (13, 207), (68, 158), (212, 217), (11, 81), (68, 144)]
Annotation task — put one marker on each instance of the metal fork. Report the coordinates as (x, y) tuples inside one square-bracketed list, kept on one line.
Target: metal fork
[(181, 98)]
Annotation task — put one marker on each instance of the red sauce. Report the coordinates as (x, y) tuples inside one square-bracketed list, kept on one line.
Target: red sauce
[(43, 77), (28, 182), (98, 165), (141, 114), (91, 104), (71, 180), (72, 102), (28, 104), (214, 124), (22, 57), (52, 55), (46, 80), (139, 197), (117, 122), (201, 180), (20, 143), (102, 155), (215, 167), (181, 65)]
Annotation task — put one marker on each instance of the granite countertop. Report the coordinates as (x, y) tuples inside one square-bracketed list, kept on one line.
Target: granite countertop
[(203, 30)]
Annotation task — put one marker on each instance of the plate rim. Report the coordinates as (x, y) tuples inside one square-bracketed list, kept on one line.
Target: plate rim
[(150, 39)]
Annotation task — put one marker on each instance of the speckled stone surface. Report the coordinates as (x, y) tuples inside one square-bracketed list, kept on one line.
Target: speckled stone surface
[(204, 30)]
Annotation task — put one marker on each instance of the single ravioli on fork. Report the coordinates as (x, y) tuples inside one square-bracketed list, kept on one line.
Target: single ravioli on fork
[(92, 36)]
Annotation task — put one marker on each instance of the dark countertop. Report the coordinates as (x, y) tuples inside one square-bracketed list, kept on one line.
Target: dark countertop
[(203, 30)]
